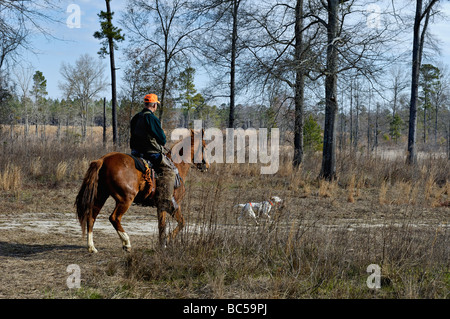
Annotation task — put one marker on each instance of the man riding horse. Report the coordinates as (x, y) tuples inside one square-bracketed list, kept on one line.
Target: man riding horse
[(147, 141)]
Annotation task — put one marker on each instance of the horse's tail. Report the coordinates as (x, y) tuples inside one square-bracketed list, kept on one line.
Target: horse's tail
[(88, 191)]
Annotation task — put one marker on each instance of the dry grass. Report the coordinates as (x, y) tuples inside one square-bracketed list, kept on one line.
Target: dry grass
[(327, 188), (290, 261), (61, 171), (318, 246), (351, 189), (382, 193), (11, 178)]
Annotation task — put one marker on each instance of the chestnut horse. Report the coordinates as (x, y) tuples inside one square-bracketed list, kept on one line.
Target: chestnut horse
[(115, 175)]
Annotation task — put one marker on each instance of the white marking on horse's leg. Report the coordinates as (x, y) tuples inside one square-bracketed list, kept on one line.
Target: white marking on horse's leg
[(163, 244), (125, 240), (90, 240)]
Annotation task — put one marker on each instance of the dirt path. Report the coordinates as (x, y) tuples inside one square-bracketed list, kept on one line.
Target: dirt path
[(37, 248)]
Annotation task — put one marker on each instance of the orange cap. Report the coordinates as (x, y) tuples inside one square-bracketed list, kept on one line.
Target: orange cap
[(151, 98)]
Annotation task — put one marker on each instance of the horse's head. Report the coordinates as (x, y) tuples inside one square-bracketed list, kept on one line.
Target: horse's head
[(198, 150)]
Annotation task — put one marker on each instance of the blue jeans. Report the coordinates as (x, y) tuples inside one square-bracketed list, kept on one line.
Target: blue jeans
[(154, 158)]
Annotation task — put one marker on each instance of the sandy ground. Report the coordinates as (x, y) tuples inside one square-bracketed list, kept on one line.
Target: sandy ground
[(37, 248)]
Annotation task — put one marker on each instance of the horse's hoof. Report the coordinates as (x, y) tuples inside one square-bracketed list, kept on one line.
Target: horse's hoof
[(163, 244), (92, 250)]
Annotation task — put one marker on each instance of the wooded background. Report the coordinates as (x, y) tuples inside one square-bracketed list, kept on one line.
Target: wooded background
[(331, 75)]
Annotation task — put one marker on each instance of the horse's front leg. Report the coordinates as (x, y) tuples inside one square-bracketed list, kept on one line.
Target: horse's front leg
[(162, 227)]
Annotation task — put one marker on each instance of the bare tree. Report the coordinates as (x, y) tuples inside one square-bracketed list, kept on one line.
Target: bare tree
[(398, 84), (422, 15), (82, 83), (23, 78), (221, 45), (328, 170), (139, 76), (10, 40), (18, 21), (299, 85), (351, 44), (314, 40), (166, 26), (281, 53), (234, 37)]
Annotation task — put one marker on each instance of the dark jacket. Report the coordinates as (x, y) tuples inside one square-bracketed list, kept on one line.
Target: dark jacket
[(147, 136)]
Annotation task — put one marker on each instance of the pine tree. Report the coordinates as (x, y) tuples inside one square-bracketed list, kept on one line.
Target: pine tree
[(428, 81), (312, 135), (38, 91), (187, 88), (395, 126), (110, 36)]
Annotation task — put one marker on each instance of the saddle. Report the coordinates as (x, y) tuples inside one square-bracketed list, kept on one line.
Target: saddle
[(147, 188)]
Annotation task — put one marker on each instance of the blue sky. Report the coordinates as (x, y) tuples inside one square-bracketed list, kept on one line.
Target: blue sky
[(70, 43), (67, 44)]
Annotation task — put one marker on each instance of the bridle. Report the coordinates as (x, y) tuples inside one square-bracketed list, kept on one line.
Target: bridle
[(203, 165)]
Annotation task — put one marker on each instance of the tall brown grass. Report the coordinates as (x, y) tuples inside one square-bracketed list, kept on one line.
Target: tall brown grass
[(291, 259), (11, 178), (51, 159), (351, 189)]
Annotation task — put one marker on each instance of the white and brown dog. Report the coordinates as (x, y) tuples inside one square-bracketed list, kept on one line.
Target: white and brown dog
[(256, 210)]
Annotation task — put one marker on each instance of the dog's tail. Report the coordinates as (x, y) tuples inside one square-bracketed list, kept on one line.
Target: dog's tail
[(239, 205)]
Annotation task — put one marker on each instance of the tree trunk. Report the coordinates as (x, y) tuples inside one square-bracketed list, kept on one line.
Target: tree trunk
[(58, 131), (27, 124), (356, 139), (351, 116), (424, 124), (368, 125), (163, 91), (412, 133), (448, 140), (376, 128), (113, 78), (83, 127), (435, 124), (104, 122), (418, 41), (233, 63), (342, 132), (299, 86), (394, 107), (328, 170)]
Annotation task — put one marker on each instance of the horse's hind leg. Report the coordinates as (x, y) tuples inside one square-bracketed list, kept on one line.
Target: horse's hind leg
[(98, 204), (162, 225), (115, 218), (180, 219)]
